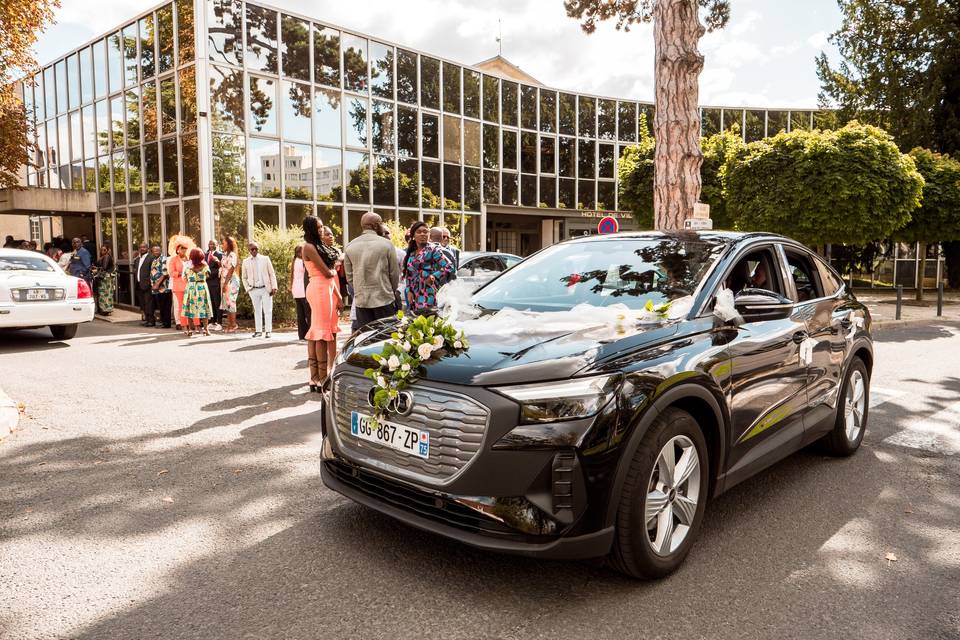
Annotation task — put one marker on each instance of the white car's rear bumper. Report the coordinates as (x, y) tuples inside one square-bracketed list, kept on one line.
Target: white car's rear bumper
[(41, 314)]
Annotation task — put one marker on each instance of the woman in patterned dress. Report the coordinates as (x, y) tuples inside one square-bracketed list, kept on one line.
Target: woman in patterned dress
[(426, 267), (229, 283), (196, 297)]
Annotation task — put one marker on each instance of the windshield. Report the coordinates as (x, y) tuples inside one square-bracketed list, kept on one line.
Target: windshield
[(630, 271), (24, 263)]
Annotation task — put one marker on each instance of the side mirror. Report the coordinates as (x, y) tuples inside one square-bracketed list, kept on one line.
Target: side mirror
[(756, 305)]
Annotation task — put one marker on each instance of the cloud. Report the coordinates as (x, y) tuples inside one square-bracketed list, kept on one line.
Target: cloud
[(818, 40)]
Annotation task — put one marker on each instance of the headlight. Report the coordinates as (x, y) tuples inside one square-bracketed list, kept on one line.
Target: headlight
[(564, 400)]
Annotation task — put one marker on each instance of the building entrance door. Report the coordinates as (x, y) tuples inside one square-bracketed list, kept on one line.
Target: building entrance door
[(519, 235)]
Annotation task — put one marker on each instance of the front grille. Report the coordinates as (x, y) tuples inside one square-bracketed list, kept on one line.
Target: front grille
[(455, 422), (432, 506)]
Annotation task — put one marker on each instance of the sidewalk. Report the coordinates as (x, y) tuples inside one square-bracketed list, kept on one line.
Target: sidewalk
[(883, 308)]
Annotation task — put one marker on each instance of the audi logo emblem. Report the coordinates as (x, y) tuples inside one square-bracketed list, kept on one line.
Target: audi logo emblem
[(402, 405)]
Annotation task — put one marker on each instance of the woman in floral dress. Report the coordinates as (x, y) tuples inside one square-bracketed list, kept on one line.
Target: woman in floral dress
[(196, 297), (425, 268), (229, 283)]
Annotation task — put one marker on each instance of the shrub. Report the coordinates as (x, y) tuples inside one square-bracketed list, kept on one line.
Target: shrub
[(277, 243)]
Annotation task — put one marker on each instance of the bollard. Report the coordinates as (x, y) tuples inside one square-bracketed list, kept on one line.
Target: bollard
[(939, 299), (899, 299)]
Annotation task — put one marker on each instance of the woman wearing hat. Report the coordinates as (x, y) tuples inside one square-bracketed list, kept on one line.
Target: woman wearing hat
[(180, 247)]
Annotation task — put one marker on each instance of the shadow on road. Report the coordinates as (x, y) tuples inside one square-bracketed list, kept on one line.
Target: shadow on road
[(933, 331)]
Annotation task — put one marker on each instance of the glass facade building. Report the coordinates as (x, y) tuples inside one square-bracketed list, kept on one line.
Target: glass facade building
[(208, 117)]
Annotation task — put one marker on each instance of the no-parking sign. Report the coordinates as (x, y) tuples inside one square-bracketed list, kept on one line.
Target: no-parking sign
[(608, 224)]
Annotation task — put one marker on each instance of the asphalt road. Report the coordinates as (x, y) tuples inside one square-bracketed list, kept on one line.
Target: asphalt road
[(165, 488)]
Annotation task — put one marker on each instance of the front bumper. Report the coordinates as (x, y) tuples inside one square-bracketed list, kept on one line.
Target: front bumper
[(41, 314)]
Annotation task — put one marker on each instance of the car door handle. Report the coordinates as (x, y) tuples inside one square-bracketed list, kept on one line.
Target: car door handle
[(800, 336), (846, 322)]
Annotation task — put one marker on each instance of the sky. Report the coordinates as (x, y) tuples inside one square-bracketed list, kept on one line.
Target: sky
[(763, 58)]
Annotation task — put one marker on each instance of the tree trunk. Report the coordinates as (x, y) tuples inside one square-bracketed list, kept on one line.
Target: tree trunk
[(677, 157), (922, 248)]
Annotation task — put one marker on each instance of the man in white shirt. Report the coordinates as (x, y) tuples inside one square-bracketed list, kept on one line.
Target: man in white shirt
[(260, 283)]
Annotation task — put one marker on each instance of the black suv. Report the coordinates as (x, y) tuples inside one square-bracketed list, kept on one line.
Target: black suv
[(574, 445)]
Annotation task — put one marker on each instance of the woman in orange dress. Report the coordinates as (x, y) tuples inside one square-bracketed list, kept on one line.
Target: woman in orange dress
[(323, 296)]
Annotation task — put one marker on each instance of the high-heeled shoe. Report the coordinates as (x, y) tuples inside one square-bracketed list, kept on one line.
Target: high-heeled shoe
[(313, 388)]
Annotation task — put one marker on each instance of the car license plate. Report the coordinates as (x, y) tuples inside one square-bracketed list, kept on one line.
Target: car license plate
[(396, 436), (37, 294)]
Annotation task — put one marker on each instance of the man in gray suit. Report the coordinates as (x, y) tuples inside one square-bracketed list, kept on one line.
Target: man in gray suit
[(370, 262)]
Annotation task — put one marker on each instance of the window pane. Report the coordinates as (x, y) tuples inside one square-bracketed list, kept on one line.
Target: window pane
[(528, 190), (585, 156), (171, 180), (471, 189), (799, 120), (266, 215), (358, 176), (605, 196), (230, 218), (326, 56), (491, 147), (89, 132), (130, 59), (262, 45), (168, 106), (165, 38), (646, 112), (326, 117), (605, 160), (711, 122), (115, 61), (295, 35), (566, 156), (355, 121), (381, 123), (566, 198), (607, 119), (354, 63), (61, 71), (548, 151), (548, 192), (471, 93), (224, 26), (585, 197), (294, 213), (229, 173), (133, 118), (226, 99), (263, 105), (296, 111), (430, 131), (384, 181), (568, 114), (491, 187), (134, 175), (263, 168), (548, 111), (528, 152), (627, 121), (191, 218), (73, 81), (103, 128), (149, 110), (190, 165), (429, 82), (471, 143), (86, 79), (151, 169), (327, 169), (147, 47), (188, 99), (298, 171), (587, 119), (119, 184), (509, 149), (452, 191), (733, 119), (76, 137), (451, 139), (491, 99), (510, 188), (100, 68), (528, 107), (406, 76), (332, 217), (430, 180), (451, 88), (408, 183), (50, 92), (185, 41), (407, 132), (116, 121), (754, 126), (381, 70), (776, 122)]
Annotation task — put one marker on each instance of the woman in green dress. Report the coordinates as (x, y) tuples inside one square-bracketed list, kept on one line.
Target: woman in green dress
[(196, 298)]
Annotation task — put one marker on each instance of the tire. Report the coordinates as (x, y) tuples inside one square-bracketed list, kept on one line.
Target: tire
[(63, 331), (633, 550), (847, 433)]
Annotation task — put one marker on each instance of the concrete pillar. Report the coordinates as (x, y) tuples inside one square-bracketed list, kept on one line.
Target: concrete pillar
[(204, 144)]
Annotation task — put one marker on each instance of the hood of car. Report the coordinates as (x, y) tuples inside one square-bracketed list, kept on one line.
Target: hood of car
[(495, 360)]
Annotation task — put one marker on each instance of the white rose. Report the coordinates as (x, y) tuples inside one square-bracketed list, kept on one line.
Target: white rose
[(425, 350), (405, 367), (457, 344), (438, 342), (404, 322), (406, 346), (381, 382), (393, 363)]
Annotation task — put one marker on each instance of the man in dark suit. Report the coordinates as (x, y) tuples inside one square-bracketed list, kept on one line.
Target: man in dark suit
[(142, 285), (213, 258)]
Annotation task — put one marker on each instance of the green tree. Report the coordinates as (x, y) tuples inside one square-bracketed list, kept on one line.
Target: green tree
[(938, 217), (848, 186)]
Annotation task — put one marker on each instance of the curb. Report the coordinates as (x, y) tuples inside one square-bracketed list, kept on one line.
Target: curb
[(9, 414), (892, 324)]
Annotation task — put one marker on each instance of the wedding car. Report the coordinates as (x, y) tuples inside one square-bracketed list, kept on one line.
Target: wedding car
[(600, 393), (35, 292)]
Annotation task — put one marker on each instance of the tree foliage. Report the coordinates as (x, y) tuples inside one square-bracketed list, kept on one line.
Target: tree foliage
[(938, 217), (629, 12), (849, 186), (21, 21), (719, 151)]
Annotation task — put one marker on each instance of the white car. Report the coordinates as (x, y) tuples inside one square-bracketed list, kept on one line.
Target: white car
[(35, 292)]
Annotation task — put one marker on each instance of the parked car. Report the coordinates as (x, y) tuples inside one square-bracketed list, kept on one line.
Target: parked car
[(35, 292), (480, 267), (575, 446)]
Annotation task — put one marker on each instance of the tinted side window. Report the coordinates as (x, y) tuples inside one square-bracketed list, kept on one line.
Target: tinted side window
[(755, 270), (831, 283), (805, 276), (486, 263)]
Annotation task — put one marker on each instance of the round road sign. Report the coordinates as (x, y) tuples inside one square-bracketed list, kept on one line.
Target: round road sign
[(608, 224)]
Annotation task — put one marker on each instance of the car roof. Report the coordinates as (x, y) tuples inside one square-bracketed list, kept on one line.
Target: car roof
[(469, 255), (720, 236), (22, 253)]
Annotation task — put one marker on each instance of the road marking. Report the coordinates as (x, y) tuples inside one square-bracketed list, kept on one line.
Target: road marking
[(940, 433)]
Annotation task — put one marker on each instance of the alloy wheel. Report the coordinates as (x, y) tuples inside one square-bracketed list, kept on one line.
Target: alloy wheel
[(673, 493), (854, 405)]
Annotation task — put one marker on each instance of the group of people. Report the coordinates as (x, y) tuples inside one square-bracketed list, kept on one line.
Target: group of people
[(381, 279)]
